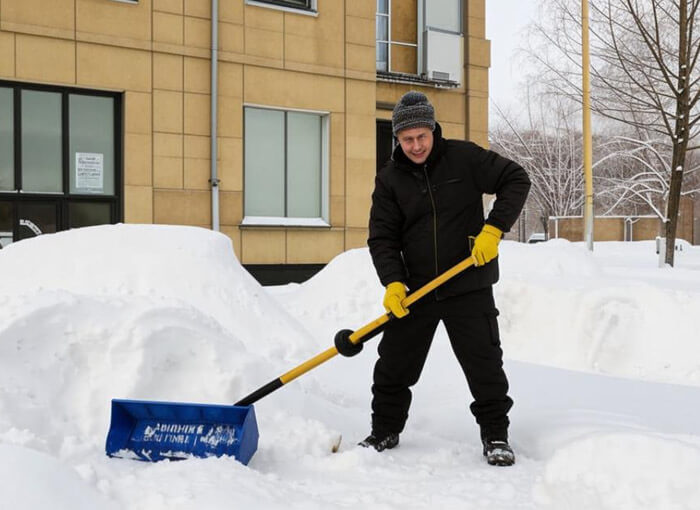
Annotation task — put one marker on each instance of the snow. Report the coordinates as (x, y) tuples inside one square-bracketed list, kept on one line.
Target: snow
[(600, 348)]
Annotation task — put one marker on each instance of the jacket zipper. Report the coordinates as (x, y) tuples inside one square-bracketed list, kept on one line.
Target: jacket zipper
[(432, 201)]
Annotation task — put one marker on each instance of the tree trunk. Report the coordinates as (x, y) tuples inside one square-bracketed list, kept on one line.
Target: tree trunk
[(545, 225), (680, 139)]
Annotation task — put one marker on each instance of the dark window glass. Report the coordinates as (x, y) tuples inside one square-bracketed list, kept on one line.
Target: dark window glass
[(382, 28), (91, 144), (5, 223), (382, 57), (7, 140), (85, 214), (385, 142), (303, 4), (36, 218), (41, 141)]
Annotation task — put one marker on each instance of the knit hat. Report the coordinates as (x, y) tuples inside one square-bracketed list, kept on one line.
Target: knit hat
[(412, 110)]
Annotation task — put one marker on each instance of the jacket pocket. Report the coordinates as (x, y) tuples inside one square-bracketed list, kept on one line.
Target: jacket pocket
[(492, 318), (439, 185)]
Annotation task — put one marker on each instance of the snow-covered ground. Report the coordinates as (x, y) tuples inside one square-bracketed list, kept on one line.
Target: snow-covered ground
[(602, 354)]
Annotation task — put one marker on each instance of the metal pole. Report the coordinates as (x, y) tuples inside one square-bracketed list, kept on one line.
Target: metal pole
[(214, 180), (587, 140)]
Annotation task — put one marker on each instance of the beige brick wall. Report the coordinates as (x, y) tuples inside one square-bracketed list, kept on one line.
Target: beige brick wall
[(157, 54), (613, 228), (477, 61)]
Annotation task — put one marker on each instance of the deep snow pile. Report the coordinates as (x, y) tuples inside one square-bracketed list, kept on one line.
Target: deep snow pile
[(142, 312), (612, 311), (167, 313)]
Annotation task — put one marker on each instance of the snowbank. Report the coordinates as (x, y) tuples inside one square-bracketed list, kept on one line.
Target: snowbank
[(32, 480), (168, 313), (145, 312), (612, 311), (622, 472)]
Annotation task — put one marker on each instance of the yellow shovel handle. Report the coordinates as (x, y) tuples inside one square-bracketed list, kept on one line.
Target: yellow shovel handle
[(357, 336)]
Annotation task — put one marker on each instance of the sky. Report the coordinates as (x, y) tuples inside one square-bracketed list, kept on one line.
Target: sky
[(506, 22)]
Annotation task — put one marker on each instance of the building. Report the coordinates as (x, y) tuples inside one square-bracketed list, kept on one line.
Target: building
[(106, 110)]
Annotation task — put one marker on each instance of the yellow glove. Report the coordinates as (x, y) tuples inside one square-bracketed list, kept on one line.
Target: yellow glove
[(486, 245), (395, 293)]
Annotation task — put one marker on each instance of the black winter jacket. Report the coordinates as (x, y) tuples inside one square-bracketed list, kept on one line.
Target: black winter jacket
[(422, 215)]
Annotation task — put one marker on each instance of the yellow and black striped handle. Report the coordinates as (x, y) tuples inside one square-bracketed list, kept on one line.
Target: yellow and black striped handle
[(361, 335)]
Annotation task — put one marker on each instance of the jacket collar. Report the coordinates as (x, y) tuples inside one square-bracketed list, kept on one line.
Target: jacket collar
[(437, 151)]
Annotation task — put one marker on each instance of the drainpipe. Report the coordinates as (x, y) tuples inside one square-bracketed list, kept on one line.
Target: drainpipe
[(214, 101)]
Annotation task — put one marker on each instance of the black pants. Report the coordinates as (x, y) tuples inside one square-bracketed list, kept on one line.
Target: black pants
[(471, 324)]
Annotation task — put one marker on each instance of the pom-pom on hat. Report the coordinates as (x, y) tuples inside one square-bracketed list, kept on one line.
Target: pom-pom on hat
[(412, 110)]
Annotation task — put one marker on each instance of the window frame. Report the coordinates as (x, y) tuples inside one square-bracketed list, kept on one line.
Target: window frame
[(311, 7), (63, 198), (285, 221), (390, 42)]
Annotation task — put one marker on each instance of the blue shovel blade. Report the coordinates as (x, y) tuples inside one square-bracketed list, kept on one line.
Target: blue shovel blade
[(153, 431)]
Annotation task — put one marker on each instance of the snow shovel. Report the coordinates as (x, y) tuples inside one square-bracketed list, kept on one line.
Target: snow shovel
[(153, 431)]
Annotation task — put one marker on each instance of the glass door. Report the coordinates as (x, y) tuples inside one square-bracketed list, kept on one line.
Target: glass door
[(385, 142), (6, 224), (36, 218)]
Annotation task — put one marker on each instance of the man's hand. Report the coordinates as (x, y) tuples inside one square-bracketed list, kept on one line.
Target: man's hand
[(486, 245), (395, 293)]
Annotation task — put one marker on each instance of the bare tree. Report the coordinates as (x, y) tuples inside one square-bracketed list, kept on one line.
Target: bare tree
[(549, 151), (644, 71), (643, 176), (549, 148)]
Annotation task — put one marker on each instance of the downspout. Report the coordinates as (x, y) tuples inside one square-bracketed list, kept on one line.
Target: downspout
[(214, 102)]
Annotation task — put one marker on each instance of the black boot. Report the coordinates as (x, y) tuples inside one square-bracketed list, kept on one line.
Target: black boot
[(380, 441), (498, 452)]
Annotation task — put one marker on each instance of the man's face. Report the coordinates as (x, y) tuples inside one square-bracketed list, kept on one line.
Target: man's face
[(416, 143)]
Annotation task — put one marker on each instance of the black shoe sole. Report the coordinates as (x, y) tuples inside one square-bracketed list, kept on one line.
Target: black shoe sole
[(499, 460), (366, 444)]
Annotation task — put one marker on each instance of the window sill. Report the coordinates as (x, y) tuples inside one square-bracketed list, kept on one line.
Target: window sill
[(294, 10), (393, 77), (267, 221)]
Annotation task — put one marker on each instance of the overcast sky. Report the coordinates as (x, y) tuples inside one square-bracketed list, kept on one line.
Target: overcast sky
[(506, 21)]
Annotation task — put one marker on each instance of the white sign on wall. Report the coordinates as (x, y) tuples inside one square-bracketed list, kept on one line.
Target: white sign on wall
[(89, 171)]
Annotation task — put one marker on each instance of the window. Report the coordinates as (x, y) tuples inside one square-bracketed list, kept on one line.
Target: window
[(382, 35), (445, 15), (7, 151), (396, 39), (307, 5), (385, 142), (420, 43), (60, 155), (42, 157), (91, 144), (6, 224), (286, 167), (442, 42)]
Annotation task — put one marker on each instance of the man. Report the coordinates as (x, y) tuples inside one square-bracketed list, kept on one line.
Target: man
[(427, 215)]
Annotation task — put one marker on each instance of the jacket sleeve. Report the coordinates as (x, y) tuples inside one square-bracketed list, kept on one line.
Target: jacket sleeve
[(494, 174), (385, 224)]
